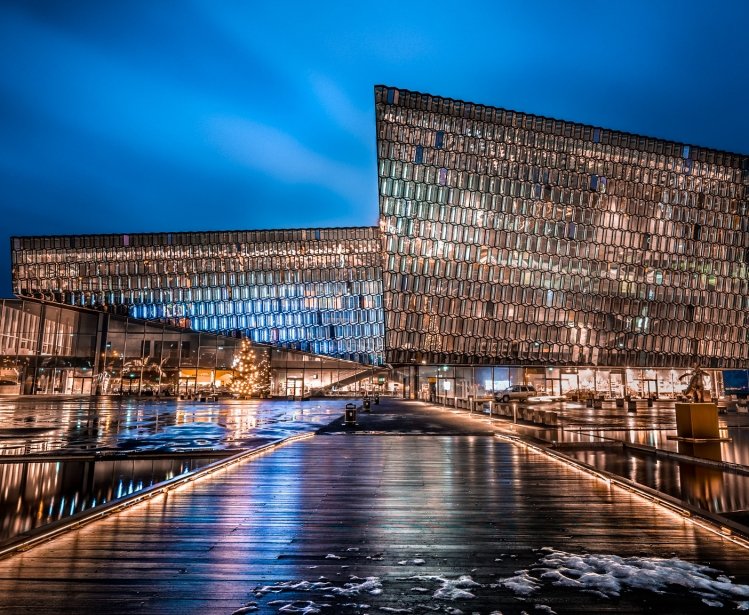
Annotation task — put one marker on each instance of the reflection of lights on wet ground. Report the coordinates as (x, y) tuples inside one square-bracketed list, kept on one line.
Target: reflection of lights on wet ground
[(677, 511)]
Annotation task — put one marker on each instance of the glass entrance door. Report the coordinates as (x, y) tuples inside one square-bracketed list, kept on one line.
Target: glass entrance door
[(294, 387)]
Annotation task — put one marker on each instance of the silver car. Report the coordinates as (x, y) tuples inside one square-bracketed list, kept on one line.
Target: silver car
[(516, 392)]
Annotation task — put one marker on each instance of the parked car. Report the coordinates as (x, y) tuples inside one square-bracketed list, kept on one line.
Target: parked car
[(516, 392)]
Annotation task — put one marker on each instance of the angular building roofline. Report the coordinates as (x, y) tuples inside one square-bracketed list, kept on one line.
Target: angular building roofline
[(182, 233), (693, 148)]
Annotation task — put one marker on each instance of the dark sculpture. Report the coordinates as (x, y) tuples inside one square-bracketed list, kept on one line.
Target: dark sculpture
[(696, 387)]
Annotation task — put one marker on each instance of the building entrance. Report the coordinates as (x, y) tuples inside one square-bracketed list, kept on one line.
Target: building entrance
[(294, 387)]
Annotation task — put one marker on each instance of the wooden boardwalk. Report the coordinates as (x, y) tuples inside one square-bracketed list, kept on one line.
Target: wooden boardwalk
[(340, 505)]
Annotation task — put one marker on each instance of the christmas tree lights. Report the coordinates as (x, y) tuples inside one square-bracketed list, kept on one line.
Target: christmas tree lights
[(252, 372), (245, 371)]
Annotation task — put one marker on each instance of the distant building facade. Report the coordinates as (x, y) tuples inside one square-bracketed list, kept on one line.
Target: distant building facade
[(512, 248), (315, 290)]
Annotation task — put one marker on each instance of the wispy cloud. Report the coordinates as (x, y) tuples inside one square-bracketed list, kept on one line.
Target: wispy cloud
[(283, 158)]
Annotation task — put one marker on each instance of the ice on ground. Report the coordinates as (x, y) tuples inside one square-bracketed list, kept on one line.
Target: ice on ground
[(303, 586), (370, 585), (389, 609), (418, 561), (333, 556), (451, 589), (544, 608), (303, 607), (522, 583), (352, 549), (403, 562), (608, 575), (247, 608)]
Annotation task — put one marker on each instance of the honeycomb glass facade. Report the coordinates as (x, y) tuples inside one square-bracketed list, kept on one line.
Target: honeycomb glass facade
[(513, 239), (315, 290)]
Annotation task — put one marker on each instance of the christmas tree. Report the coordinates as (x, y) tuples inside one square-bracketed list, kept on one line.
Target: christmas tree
[(262, 381), (245, 371)]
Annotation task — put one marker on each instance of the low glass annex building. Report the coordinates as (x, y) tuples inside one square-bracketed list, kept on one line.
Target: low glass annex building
[(512, 248), (62, 350)]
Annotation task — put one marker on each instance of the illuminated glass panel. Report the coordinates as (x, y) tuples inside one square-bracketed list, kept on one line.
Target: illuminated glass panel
[(316, 290), (516, 239)]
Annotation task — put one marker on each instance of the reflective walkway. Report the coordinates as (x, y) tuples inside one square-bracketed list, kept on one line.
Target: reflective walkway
[(84, 425), (639, 446), (394, 516), (60, 457)]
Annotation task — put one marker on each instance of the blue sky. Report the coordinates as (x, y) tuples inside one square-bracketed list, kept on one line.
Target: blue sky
[(202, 114)]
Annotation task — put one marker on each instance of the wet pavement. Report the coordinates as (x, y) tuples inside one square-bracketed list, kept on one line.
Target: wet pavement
[(86, 425), (418, 509), (640, 447), (101, 450)]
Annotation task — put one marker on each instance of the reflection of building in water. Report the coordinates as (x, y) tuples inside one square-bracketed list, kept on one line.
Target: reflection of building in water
[(36, 494), (701, 485)]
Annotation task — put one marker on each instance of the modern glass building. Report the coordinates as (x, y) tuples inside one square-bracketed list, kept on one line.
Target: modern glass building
[(62, 350), (52, 349), (516, 240), (315, 290), (512, 248)]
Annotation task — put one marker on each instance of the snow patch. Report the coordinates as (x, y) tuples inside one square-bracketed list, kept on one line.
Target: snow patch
[(451, 589), (418, 562), (608, 575), (370, 585), (522, 583), (333, 556), (250, 607), (304, 607)]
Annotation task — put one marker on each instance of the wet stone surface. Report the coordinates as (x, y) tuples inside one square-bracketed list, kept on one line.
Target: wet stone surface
[(417, 510)]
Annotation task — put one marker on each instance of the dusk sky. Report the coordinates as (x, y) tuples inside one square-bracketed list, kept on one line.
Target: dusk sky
[(204, 115)]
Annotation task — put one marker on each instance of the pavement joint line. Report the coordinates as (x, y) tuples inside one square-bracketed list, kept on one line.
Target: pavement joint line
[(77, 521), (703, 519)]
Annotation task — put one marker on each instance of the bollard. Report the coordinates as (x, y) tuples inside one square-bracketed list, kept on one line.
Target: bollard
[(631, 406), (365, 405), (377, 399), (620, 402), (350, 415)]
